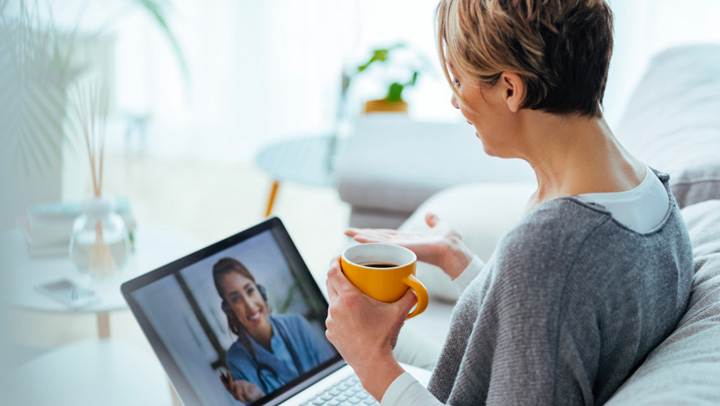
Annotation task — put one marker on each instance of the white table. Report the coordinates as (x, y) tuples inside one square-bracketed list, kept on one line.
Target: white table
[(92, 372), (155, 245)]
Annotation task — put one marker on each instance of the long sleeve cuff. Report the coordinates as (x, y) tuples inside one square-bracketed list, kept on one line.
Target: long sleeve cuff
[(467, 276), (406, 390)]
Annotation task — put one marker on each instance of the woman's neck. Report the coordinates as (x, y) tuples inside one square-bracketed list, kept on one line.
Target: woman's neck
[(573, 155), (264, 337)]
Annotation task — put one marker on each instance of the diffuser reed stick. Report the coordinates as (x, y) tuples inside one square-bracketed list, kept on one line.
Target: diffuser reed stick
[(92, 111)]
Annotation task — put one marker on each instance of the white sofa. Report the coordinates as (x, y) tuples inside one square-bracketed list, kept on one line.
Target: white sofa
[(673, 124)]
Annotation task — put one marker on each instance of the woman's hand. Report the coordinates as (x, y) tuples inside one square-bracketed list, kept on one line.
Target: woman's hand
[(365, 330), (442, 246), (242, 391)]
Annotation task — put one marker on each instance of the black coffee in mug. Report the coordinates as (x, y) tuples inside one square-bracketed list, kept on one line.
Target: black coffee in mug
[(379, 265)]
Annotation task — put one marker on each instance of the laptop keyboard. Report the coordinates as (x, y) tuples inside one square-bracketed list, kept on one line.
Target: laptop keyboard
[(346, 392)]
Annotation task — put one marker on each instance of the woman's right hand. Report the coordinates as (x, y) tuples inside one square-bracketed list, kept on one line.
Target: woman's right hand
[(442, 246), (242, 391)]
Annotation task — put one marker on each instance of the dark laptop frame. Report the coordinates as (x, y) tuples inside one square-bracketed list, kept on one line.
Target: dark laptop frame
[(179, 381)]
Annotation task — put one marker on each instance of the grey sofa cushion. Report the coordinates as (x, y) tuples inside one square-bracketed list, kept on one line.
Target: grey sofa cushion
[(685, 368), (672, 121)]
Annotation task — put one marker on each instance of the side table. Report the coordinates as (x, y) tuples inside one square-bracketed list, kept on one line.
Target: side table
[(307, 160), (155, 246)]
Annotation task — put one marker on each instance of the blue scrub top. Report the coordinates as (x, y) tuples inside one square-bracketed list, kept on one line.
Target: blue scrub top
[(278, 368)]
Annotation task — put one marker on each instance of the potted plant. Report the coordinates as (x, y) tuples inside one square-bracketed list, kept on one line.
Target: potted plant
[(401, 67)]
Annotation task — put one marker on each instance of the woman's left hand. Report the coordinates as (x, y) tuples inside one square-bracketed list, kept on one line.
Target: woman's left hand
[(441, 245), (365, 330)]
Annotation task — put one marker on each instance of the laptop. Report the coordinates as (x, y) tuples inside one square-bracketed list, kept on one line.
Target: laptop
[(208, 316)]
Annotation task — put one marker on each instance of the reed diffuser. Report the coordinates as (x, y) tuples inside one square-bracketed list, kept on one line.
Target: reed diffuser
[(99, 244)]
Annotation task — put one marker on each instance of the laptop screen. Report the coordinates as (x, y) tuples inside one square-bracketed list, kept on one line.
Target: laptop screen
[(239, 322)]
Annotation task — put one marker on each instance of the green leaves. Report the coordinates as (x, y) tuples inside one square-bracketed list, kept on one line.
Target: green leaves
[(379, 55), (413, 80), (395, 92), (384, 56)]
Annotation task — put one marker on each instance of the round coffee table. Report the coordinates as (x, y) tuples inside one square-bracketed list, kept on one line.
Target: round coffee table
[(305, 160)]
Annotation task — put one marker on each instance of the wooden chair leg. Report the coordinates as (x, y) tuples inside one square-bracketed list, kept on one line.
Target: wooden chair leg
[(271, 198)]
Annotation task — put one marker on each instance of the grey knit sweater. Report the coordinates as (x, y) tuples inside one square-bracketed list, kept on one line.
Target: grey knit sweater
[(566, 309)]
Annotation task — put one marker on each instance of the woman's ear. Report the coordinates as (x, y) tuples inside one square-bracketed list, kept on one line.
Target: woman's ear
[(513, 89)]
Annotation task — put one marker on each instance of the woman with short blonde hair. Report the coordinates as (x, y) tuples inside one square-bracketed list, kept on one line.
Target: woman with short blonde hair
[(561, 49), (593, 277)]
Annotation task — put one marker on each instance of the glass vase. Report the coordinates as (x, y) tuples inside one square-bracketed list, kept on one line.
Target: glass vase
[(100, 245)]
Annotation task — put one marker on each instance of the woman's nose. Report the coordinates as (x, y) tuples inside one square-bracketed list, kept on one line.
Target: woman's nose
[(453, 101)]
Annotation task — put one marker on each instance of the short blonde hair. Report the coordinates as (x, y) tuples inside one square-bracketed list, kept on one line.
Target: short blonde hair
[(560, 48)]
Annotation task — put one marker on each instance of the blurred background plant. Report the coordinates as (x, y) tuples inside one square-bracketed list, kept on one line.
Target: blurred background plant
[(407, 68), (396, 68), (37, 69), (40, 59), (39, 64), (158, 11)]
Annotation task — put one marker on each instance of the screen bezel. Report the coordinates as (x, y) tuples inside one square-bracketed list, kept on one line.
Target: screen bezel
[(179, 381)]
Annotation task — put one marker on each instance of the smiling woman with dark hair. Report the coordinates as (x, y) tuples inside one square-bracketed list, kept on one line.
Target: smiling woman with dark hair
[(270, 350), (595, 275)]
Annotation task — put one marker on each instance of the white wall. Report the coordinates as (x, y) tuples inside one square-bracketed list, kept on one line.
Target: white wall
[(264, 71), (261, 71)]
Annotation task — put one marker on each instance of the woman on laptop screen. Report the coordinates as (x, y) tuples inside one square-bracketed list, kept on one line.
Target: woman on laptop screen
[(271, 350)]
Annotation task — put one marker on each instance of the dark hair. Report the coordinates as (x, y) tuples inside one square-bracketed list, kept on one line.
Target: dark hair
[(560, 48), (223, 267)]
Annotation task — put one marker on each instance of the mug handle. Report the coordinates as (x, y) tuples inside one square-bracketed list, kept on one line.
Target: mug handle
[(420, 292)]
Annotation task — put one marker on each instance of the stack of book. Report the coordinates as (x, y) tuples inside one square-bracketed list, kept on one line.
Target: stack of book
[(48, 227)]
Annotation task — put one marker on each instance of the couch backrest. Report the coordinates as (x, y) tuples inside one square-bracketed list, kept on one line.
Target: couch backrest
[(673, 124), (672, 121), (685, 368)]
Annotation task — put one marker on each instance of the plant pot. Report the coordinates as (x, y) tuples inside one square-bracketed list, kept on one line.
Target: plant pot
[(385, 106)]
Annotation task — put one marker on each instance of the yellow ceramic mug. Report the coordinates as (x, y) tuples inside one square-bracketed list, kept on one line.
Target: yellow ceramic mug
[(384, 272)]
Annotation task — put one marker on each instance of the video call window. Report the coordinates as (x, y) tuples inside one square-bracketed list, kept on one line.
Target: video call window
[(265, 331)]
